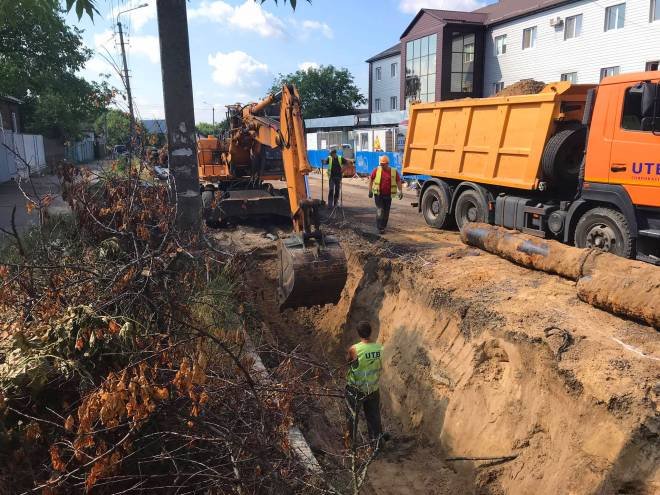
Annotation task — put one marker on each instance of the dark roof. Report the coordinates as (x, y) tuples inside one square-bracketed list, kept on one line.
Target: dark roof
[(447, 16), (505, 10), (10, 99), (393, 50), (157, 126), (494, 13)]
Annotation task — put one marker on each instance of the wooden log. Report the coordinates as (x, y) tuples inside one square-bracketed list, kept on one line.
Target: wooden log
[(621, 286), (526, 250)]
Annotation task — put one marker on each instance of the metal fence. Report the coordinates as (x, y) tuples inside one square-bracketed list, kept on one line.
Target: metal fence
[(80, 151), (365, 161), (17, 150)]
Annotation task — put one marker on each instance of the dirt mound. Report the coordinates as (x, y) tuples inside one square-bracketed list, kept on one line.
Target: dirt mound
[(523, 87)]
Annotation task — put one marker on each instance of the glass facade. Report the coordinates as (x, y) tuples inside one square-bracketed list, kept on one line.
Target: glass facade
[(420, 69), (462, 63)]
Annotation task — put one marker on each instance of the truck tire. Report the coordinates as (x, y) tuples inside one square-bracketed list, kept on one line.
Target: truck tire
[(435, 206), (562, 157), (605, 229), (470, 208)]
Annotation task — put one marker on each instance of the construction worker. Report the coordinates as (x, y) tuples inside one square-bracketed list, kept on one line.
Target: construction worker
[(335, 173), (384, 183), (365, 365)]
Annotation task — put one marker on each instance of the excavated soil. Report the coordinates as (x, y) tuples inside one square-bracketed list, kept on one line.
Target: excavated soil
[(522, 87), (483, 358)]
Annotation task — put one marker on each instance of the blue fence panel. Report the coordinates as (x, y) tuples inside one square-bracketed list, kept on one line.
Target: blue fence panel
[(365, 161)]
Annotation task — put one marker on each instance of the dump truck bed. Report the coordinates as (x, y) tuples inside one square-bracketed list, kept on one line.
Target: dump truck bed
[(498, 140)]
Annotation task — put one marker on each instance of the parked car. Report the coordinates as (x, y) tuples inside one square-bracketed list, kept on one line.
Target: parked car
[(119, 150)]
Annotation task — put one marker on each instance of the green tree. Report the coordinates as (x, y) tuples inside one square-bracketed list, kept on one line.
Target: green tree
[(325, 92), (208, 129), (117, 124), (39, 59)]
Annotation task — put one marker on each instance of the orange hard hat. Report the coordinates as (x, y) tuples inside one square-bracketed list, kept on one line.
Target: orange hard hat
[(383, 160)]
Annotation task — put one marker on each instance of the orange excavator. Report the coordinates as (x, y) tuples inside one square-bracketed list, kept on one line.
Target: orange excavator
[(266, 143)]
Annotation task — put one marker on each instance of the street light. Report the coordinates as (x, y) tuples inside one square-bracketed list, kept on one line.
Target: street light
[(128, 84), (212, 110)]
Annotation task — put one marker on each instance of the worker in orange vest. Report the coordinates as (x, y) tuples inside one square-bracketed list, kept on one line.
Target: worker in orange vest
[(384, 183)]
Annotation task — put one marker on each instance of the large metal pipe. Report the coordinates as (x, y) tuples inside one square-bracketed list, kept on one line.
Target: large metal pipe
[(621, 286)]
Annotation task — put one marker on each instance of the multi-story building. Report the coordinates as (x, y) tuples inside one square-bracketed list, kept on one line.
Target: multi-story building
[(447, 54), (384, 80)]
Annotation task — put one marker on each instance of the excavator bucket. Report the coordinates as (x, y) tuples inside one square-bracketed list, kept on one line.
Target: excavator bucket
[(311, 275)]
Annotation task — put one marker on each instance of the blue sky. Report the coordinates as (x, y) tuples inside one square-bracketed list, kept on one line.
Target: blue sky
[(239, 46)]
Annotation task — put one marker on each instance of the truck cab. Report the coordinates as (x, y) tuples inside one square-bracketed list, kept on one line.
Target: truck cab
[(620, 196)]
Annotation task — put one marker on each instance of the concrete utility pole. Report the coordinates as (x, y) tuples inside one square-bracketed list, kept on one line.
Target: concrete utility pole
[(131, 125), (179, 112)]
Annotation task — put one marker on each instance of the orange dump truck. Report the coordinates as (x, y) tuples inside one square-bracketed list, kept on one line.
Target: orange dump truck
[(577, 163)]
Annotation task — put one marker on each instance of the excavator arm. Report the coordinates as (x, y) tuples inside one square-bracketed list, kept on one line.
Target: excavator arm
[(312, 264)]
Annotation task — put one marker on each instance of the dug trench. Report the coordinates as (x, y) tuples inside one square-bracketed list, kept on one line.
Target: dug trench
[(482, 358)]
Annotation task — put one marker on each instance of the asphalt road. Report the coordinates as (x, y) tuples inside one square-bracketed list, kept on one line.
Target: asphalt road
[(406, 224)]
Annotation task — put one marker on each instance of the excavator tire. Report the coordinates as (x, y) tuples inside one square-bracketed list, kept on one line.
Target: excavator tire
[(312, 275)]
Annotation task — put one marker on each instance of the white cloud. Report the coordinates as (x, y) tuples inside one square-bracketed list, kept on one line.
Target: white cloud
[(315, 27), (147, 46), (249, 16), (308, 65), (140, 45), (414, 6), (237, 69), (138, 18)]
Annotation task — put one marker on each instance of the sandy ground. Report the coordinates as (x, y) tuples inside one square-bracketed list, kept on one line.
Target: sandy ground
[(483, 358)]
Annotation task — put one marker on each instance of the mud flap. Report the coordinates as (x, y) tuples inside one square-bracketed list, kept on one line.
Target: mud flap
[(311, 275)]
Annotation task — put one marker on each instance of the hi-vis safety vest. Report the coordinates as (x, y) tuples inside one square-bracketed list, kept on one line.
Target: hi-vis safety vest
[(376, 185), (340, 160), (364, 374)]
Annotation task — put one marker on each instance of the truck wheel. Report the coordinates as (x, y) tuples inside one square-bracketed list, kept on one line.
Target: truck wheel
[(435, 206), (605, 229), (470, 208), (562, 156)]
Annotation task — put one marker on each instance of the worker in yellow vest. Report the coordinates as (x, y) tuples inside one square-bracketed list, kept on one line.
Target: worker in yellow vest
[(365, 365), (335, 174), (385, 182)]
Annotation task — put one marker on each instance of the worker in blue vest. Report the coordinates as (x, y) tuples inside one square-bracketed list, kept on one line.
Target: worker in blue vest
[(335, 174), (385, 182), (365, 360)]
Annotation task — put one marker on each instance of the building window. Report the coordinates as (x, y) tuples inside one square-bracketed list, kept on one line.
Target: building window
[(497, 87), (615, 16), (500, 45), (609, 71), (655, 10), (651, 66), (393, 103), (573, 27), (377, 104), (462, 63), (529, 38), (378, 74), (571, 77), (393, 69), (421, 69)]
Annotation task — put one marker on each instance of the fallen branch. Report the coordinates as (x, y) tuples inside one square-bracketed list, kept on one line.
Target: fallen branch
[(470, 458)]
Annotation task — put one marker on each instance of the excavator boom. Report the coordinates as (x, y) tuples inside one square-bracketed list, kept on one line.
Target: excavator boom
[(312, 264), (234, 169)]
